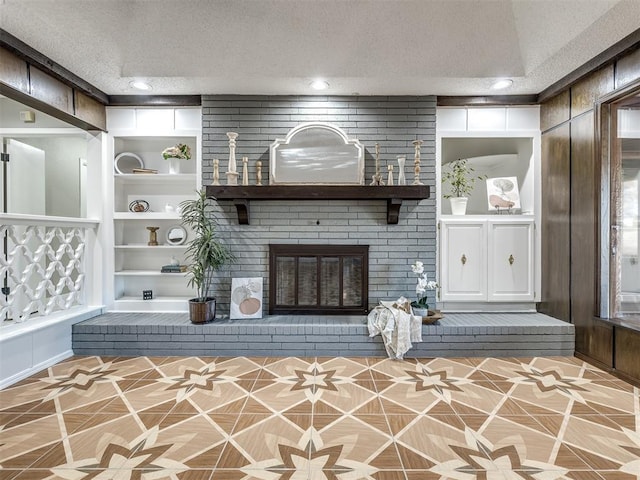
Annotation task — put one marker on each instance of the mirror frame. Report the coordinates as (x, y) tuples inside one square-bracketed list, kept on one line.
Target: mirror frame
[(316, 174), (176, 242)]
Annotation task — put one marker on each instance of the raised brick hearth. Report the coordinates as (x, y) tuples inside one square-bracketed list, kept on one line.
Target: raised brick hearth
[(456, 335)]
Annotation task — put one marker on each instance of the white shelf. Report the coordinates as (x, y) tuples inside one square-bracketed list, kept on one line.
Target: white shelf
[(144, 246), (147, 273), (146, 216), (154, 178), (156, 304)]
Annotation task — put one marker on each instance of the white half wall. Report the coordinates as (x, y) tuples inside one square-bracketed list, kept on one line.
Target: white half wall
[(26, 348)]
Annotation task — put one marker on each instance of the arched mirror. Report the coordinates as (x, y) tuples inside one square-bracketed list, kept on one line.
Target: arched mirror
[(176, 235), (316, 153)]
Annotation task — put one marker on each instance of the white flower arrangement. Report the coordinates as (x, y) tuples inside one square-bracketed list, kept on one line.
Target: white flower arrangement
[(180, 150), (422, 286)]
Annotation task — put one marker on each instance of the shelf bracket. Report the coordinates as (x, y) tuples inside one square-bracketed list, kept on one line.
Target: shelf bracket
[(393, 210), (242, 207)]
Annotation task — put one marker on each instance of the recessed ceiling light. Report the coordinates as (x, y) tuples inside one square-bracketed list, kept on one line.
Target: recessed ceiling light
[(140, 85), (319, 85), (502, 84)]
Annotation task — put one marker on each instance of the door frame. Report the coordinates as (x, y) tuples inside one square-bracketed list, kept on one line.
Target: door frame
[(606, 129)]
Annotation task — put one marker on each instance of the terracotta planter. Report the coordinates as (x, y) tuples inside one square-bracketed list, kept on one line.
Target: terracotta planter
[(202, 312)]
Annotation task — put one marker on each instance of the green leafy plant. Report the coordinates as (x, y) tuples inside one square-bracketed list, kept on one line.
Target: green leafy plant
[(177, 151), (461, 177), (205, 254)]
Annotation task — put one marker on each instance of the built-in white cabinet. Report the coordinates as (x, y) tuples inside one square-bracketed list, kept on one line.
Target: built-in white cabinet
[(463, 251), (487, 259), (135, 264)]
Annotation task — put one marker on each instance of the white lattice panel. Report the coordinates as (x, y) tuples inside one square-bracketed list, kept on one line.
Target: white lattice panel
[(43, 268)]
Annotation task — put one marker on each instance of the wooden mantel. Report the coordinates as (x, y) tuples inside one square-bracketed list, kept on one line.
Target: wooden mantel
[(242, 195)]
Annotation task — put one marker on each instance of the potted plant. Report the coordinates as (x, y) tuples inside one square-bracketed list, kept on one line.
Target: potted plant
[(180, 151), (420, 306), (205, 254), (462, 179)]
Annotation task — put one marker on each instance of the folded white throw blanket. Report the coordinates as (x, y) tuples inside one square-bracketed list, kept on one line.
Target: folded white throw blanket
[(397, 325)]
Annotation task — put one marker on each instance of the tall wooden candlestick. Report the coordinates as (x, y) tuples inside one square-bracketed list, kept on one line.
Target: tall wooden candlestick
[(377, 178), (416, 162)]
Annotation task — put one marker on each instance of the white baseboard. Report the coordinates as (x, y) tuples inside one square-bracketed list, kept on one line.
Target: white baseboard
[(5, 382)]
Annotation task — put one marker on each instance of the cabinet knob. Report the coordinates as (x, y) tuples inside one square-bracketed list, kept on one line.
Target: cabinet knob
[(511, 259), (463, 259)]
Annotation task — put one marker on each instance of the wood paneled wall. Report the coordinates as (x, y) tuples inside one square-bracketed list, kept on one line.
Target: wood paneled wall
[(33, 87), (556, 248), (571, 200)]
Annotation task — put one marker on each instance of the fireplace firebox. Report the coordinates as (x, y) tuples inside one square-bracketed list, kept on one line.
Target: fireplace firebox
[(318, 279)]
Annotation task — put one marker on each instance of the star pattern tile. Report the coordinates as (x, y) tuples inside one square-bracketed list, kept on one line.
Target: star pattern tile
[(245, 418)]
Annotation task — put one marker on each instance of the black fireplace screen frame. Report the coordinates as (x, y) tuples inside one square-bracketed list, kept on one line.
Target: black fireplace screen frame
[(297, 251)]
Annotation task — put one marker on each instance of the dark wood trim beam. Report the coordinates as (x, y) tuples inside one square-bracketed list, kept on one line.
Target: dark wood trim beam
[(487, 100), (37, 59), (155, 100), (619, 49), (43, 107)]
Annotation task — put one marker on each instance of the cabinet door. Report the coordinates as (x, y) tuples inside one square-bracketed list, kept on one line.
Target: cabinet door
[(464, 267), (510, 262)]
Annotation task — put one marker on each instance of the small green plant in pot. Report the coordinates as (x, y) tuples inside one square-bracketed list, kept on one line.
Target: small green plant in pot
[(461, 177), (205, 254)]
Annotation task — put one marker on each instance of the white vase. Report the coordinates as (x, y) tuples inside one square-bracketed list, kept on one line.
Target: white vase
[(174, 166), (458, 205), (401, 178)]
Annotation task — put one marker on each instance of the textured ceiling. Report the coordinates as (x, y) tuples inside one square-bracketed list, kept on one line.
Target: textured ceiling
[(368, 47)]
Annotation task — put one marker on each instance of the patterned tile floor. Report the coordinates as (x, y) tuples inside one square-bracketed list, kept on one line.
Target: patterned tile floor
[(153, 418)]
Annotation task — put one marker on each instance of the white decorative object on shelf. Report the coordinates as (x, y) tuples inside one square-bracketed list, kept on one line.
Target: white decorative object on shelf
[(377, 178), (245, 171), (401, 178), (125, 162), (390, 175), (216, 171), (174, 154), (174, 166), (416, 162), (232, 174), (259, 173)]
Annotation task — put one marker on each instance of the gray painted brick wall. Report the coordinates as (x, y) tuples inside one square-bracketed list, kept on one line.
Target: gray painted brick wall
[(392, 122)]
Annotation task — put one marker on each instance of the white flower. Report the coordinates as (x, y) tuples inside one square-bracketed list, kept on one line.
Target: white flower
[(422, 285)]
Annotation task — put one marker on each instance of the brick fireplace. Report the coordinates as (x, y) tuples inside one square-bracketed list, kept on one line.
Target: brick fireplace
[(392, 122)]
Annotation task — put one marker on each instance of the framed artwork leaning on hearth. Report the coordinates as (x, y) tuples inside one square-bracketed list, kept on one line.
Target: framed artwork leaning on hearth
[(246, 298)]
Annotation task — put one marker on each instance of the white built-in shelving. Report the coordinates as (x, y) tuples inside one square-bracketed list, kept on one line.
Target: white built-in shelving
[(133, 264)]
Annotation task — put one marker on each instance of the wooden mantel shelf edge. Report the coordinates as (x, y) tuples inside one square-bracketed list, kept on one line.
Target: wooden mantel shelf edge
[(242, 195)]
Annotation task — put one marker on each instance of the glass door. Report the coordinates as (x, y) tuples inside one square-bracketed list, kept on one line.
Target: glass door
[(625, 208)]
